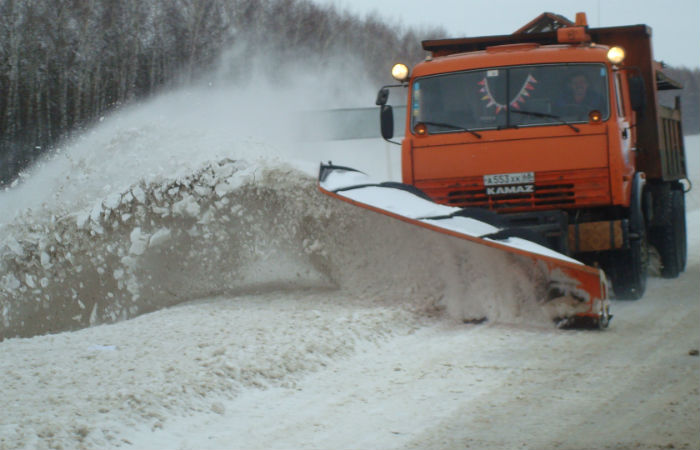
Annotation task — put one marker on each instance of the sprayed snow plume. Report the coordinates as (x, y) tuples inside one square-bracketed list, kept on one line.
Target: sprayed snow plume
[(228, 228), (153, 245)]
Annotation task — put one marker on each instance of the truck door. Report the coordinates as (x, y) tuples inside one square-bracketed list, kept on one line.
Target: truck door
[(626, 122)]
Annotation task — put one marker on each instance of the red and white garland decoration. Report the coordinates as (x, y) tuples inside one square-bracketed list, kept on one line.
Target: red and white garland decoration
[(528, 85)]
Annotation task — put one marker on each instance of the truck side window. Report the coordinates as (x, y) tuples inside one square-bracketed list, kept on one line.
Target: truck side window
[(448, 103)]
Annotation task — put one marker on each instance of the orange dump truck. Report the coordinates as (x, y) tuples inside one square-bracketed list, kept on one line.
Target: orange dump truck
[(557, 128)]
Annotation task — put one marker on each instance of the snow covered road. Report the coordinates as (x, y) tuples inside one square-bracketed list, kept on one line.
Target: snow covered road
[(298, 371), (488, 387)]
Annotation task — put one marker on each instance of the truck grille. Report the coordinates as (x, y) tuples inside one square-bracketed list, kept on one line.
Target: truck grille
[(563, 189)]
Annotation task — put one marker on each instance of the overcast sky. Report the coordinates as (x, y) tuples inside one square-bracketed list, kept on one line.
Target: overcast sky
[(675, 23)]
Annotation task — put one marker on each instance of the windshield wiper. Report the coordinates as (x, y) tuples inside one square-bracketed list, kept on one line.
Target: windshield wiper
[(549, 116), (452, 126)]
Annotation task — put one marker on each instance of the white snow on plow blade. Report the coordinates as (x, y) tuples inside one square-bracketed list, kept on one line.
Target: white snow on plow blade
[(406, 204)]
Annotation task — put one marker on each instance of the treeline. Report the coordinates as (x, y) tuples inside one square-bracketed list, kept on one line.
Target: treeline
[(64, 63)]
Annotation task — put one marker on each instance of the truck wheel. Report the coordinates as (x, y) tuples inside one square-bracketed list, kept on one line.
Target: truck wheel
[(628, 269), (670, 238)]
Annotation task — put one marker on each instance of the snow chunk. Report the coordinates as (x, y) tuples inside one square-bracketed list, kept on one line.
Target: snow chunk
[(138, 194), (112, 201), (159, 237), (202, 191), (29, 281), (187, 207), (139, 242), (81, 219), (161, 211), (127, 198), (233, 182), (14, 246), (9, 282), (45, 260), (96, 212), (93, 315)]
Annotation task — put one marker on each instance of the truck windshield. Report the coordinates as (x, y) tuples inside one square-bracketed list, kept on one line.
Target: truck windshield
[(522, 96)]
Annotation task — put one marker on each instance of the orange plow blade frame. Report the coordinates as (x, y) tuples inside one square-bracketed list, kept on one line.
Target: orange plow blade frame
[(567, 277)]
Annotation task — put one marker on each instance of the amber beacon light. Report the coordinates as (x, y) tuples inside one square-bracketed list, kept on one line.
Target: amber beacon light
[(616, 55), (400, 72)]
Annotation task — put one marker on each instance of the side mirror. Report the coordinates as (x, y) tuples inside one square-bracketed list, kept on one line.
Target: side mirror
[(386, 121), (382, 96), (638, 97)]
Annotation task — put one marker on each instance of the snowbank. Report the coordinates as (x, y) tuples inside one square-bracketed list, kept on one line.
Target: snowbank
[(94, 387)]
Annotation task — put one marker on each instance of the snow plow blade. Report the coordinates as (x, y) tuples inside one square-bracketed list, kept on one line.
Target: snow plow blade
[(583, 287)]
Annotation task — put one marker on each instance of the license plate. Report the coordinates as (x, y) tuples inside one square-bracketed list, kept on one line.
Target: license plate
[(502, 179)]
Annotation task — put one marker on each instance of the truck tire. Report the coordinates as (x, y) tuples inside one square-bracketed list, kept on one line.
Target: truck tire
[(628, 267), (670, 238)]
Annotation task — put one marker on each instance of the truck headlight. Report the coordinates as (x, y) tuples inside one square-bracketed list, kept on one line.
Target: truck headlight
[(400, 72), (616, 55)]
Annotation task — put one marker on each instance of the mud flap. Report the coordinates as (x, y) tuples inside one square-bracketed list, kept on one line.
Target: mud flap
[(574, 295)]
